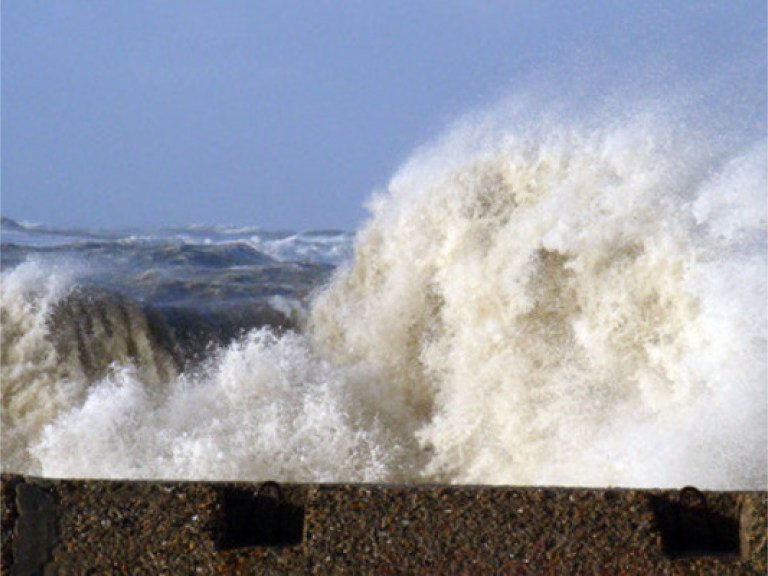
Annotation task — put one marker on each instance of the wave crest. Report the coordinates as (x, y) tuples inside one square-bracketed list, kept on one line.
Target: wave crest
[(541, 300)]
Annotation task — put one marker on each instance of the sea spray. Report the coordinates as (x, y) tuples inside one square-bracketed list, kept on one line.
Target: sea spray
[(536, 299), (36, 386), (565, 303), (266, 408), (58, 338)]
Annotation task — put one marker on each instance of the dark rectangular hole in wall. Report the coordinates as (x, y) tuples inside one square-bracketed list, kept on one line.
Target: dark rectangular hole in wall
[(254, 517), (695, 527)]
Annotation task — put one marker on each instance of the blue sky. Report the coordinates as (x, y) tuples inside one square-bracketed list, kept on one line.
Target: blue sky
[(289, 114)]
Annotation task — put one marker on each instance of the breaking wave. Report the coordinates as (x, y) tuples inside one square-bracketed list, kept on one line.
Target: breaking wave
[(535, 300)]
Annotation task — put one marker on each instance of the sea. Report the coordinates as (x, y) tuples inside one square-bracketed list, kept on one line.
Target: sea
[(535, 299)]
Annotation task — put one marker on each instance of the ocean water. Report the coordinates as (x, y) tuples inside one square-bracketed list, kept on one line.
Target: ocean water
[(536, 298)]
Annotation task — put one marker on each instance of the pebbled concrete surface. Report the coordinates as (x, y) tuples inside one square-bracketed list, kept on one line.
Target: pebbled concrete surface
[(122, 527)]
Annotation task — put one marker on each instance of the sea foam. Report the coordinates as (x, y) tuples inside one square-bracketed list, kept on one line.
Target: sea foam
[(559, 303), (536, 299)]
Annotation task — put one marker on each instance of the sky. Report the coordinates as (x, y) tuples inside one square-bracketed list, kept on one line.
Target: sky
[(288, 114)]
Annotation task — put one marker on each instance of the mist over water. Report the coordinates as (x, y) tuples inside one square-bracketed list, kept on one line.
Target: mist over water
[(539, 297)]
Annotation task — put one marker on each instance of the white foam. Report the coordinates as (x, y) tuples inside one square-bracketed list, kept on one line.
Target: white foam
[(571, 304), (266, 408), (35, 385), (535, 300)]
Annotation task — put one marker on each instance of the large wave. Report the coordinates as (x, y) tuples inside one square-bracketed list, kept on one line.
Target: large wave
[(559, 303), (536, 299)]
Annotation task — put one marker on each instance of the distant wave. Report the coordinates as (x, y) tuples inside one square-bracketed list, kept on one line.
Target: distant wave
[(9, 224), (326, 246)]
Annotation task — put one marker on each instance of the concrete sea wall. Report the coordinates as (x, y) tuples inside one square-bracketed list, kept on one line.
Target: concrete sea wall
[(126, 527)]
